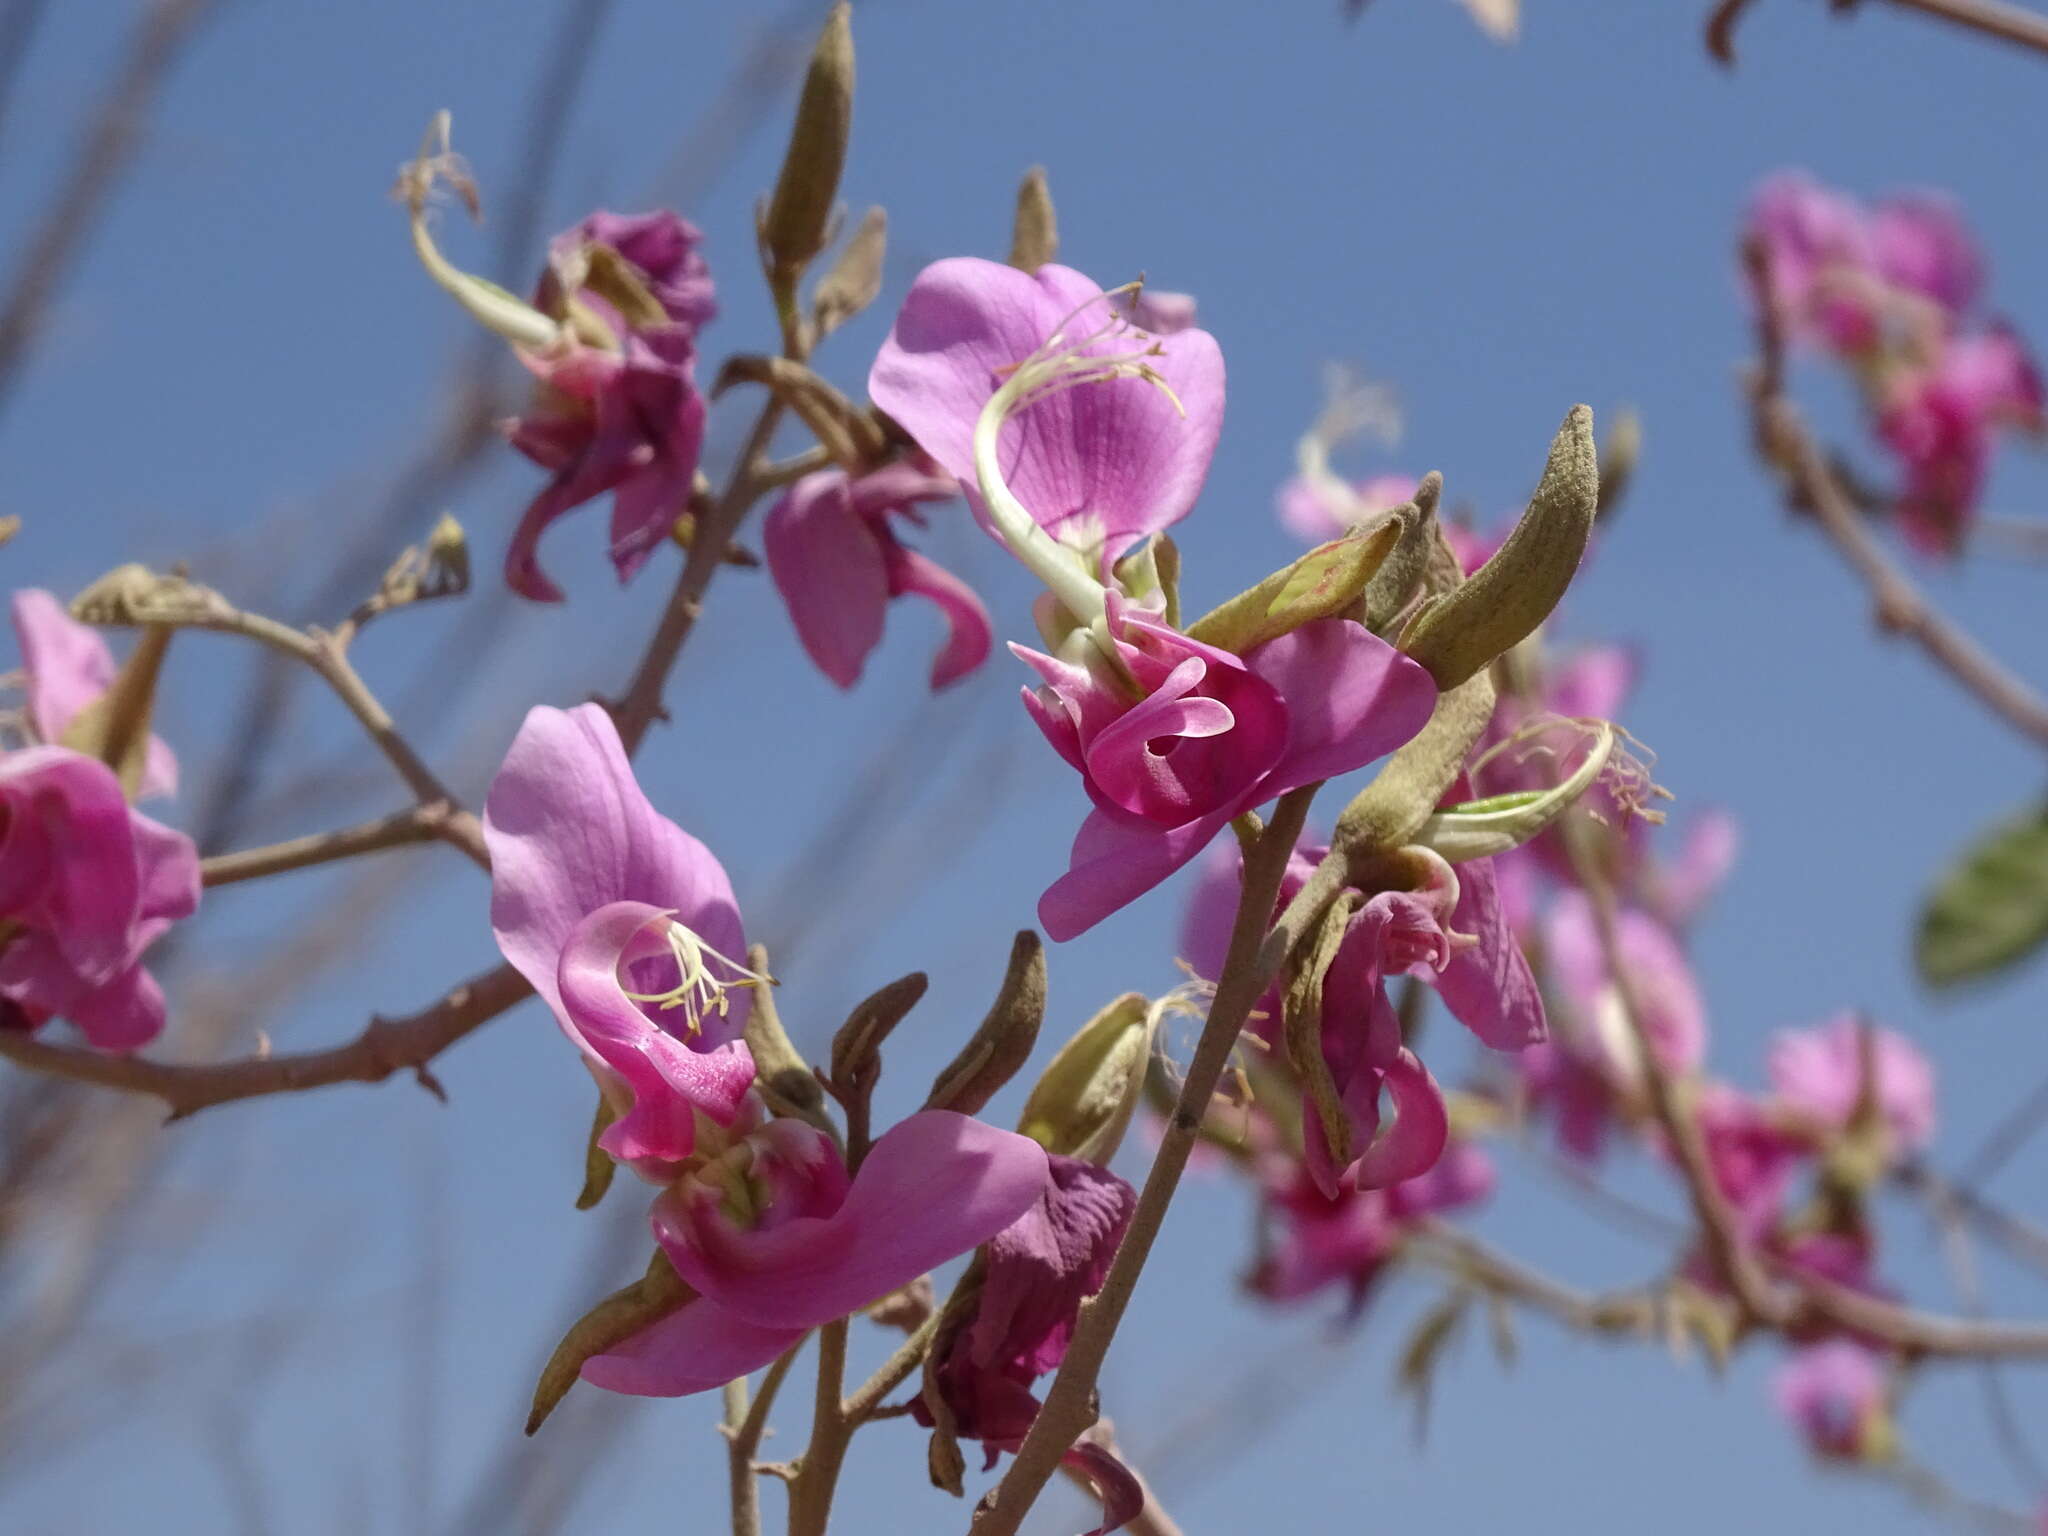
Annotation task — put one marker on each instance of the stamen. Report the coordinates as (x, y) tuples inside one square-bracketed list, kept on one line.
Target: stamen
[(699, 992)]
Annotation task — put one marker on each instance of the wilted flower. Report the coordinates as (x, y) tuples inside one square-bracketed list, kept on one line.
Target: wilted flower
[(835, 557)]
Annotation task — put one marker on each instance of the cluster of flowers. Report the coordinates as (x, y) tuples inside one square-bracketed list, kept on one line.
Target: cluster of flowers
[(1893, 292)]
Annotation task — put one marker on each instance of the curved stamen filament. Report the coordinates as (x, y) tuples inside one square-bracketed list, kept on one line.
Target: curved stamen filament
[(698, 991)]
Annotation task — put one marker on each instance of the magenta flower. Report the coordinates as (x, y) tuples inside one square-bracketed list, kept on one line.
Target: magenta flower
[(1940, 422), (1819, 1072), (68, 666), (87, 883), (1821, 263), (1836, 1396), (627, 926), (1347, 1239), (833, 552), (619, 413), (1315, 513), (776, 1238), (1208, 736), (1098, 466), (1753, 1158)]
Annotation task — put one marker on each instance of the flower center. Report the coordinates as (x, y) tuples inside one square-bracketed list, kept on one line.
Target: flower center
[(704, 977)]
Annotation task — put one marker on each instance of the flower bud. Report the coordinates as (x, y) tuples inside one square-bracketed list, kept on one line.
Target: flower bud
[(795, 227), (1083, 1101), (1506, 598), (1400, 576), (598, 1164), (855, 278), (1004, 1041), (115, 726), (1619, 450), (1390, 810), (784, 1079), (1035, 236), (1327, 581)]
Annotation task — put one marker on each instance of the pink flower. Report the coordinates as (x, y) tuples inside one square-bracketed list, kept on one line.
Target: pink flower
[(1661, 981), (87, 883), (593, 892), (1163, 313), (775, 1238), (1939, 422), (833, 552), (1207, 736), (1098, 466), (1313, 514), (1348, 1238), (623, 416), (1821, 263), (1752, 1157), (1918, 242), (1836, 1396), (1819, 1072)]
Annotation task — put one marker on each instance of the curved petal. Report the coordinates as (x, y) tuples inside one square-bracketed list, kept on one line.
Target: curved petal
[(1489, 986), (1118, 453), (1116, 859), (650, 499), (933, 1187), (969, 631), (1351, 698), (569, 831), (827, 563), (68, 663), (124, 1014), (1410, 1147), (67, 856), (695, 1349), (168, 864), (671, 1079)]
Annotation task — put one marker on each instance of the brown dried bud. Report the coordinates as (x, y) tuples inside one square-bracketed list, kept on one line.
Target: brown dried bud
[(855, 278), (1004, 1041), (1035, 237), (795, 227), (1082, 1103), (617, 1318)]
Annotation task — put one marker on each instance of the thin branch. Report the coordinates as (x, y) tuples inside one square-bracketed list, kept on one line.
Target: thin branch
[(1255, 957), (384, 1047), (1992, 18), (744, 1489), (110, 145), (817, 1472), (421, 824)]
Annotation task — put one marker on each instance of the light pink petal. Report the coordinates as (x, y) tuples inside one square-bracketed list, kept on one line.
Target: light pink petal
[(1307, 513), (671, 1079), (827, 563), (1920, 242), (1118, 453), (68, 663), (1351, 698), (1712, 840), (931, 1188), (969, 631), (1594, 683), (569, 832), (694, 1350)]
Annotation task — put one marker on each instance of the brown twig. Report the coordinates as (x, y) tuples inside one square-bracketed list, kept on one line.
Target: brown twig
[(1255, 957), (161, 33), (421, 824), (1990, 18)]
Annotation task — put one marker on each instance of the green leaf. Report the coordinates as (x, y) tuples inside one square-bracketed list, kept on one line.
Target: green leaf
[(1325, 582), (1991, 908)]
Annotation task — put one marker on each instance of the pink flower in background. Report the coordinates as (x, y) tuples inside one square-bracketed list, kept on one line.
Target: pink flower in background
[(1918, 242), (87, 883), (1315, 513), (627, 926), (1099, 466), (1209, 736), (1819, 1072), (1821, 262), (776, 1238), (1161, 312), (624, 417), (1347, 1239), (1674, 1014), (1836, 1396), (1940, 423), (1752, 1157), (835, 558)]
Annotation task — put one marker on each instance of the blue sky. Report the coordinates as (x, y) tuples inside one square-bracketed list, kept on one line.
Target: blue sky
[(248, 355)]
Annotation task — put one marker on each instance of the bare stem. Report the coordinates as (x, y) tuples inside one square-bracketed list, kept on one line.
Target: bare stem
[(1254, 959), (817, 1472), (421, 824)]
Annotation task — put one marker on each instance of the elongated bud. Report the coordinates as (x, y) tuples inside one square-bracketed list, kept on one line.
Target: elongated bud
[(1302, 1017), (1479, 829), (655, 1295), (794, 229), (1619, 451), (598, 1165), (1404, 794), (1006, 1037), (1035, 236), (1400, 576), (1082, 1103), (115, 726), (855, 278), (781, 1075), (1327, 581), (857, 1047), (1506, 598)]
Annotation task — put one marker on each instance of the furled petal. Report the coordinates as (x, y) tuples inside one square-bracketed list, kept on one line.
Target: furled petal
[(693, 1350), (671, 1079), (1118, 454), (931, 1188), (1410, 1147), (1123, 1496), (969, 631), (1351, 698), (569, 832), (1489, 986), (827, 563), (68, 666)]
